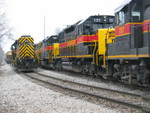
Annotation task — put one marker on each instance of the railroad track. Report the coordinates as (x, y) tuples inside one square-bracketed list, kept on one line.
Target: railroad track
[(128, 99)]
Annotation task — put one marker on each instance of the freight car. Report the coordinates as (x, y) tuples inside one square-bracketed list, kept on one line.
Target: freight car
[(23, 54)]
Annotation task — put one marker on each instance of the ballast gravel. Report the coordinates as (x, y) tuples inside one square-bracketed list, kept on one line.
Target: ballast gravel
[(18, 95)]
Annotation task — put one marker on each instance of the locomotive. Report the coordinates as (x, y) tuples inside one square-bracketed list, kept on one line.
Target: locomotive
[(93, 47), (8, 58), (23, 54), (76, 47)]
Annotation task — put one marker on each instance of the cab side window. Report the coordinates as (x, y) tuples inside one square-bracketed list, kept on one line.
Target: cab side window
[(122, 15), (136, 12)]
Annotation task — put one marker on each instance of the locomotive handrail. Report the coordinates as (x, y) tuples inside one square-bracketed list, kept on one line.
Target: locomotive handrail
[(97, 57), (94, 53), (134, 25), (37, 58)]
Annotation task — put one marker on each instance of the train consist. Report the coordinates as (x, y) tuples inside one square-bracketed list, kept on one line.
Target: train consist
[(23, 54), (94, 47)]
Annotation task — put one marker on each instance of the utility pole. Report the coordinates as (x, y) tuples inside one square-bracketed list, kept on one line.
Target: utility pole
[(44, 27)]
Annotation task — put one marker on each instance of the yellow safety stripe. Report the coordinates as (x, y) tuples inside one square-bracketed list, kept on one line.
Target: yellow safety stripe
[(128, 56), (78, 56)]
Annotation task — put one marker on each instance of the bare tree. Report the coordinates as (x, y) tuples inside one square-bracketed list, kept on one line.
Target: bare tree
[(1, 56), (5, 30)]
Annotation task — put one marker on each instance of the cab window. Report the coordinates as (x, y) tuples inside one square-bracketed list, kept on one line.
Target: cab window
[(122, 15), (136, 12)]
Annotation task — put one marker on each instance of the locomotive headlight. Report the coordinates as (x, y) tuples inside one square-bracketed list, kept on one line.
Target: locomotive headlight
[(26, 41)]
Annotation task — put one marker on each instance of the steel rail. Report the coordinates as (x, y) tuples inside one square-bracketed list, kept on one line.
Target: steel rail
[(97, 87), (131, 105)]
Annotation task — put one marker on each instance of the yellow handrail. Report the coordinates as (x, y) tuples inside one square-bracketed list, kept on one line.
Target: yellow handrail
[(37, 58), (93, 53)]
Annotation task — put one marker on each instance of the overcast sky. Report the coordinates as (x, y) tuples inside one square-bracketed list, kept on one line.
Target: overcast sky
[(27, 16)]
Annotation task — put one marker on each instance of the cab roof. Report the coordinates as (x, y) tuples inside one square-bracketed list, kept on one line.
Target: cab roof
[(122, 5)]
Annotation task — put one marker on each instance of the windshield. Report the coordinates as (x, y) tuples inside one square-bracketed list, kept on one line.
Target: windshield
[(99, 26)]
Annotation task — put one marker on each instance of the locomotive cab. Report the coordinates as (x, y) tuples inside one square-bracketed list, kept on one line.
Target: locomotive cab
[(131, 20), (127, 16)]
